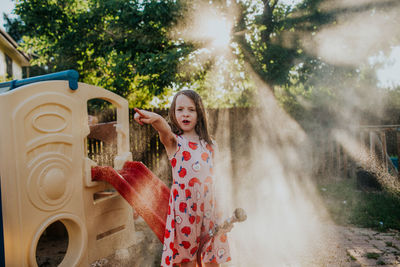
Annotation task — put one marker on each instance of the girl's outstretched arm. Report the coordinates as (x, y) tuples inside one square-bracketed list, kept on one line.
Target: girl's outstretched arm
[(167, 137)]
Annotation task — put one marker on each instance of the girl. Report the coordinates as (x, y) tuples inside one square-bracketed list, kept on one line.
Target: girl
[(191, 212)]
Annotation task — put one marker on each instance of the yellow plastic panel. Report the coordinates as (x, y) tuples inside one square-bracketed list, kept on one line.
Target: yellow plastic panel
[(45, 174)]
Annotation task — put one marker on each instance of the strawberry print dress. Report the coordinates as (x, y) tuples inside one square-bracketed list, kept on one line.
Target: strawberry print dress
[(191, 212)]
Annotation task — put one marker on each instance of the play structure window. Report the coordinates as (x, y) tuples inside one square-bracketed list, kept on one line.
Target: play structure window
[(52, 245), (102, 140)]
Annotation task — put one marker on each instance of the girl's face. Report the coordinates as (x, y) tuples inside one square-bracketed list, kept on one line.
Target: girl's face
[(186, 114)]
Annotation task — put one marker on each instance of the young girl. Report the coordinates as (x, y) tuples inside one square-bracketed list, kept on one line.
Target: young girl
[(192, 208)]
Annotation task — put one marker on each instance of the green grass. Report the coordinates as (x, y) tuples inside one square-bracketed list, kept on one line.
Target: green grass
[(390, 244), (351, 256), (380, 262), (348, 205), (372, 255)]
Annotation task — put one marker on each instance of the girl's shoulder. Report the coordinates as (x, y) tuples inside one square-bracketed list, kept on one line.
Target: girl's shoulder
[(210, 147), (213, 143)]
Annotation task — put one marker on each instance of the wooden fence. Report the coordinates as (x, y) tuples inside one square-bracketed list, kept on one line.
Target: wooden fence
[(232, 127), (146, 146)]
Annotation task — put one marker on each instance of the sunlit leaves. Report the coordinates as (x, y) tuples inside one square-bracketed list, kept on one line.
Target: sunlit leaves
[(116, 44)]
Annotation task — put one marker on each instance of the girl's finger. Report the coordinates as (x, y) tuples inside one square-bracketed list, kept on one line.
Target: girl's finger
[(137, 118), (139, 112), (139, 121)]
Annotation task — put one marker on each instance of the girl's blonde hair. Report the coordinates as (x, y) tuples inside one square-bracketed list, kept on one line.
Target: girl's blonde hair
[(201, 127)]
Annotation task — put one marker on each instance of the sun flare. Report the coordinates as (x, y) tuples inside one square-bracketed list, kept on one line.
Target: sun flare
[(209, 27), (217, 30)]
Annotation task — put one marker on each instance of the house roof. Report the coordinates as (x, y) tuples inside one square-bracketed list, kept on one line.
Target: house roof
[(10, 47)]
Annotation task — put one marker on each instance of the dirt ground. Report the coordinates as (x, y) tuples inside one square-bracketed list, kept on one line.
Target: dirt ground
[(366, 247), (348, 246)]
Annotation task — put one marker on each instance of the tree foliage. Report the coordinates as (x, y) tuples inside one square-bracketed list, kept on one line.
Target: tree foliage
[(116, 44), (137, 49), (275, 40)]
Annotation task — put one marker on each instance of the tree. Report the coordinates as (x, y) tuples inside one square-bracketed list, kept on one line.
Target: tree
[(138, 48), (116, 44), (280, 44)]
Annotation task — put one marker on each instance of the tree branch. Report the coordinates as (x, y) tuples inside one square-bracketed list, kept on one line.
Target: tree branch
[(267, 21)]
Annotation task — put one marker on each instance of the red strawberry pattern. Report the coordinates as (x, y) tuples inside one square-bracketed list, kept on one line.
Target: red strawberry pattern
[(223, 238), (208, 180), (185, 244), (192, 219), (173, 162), (182, 207), (210, 148), (182, 172), (194, 181), (175, 193), (194, 206), (205, 189), (186, 231), (168, 260), (175, 252), (193, 250), (188, 194), (205, 156), (186, 155), (193, 145), (167, 233), (191, 211)]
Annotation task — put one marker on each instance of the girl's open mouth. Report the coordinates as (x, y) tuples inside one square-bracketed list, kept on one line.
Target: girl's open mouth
[(186, 121)]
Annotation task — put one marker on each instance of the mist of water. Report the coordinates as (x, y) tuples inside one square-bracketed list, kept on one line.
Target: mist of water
[(361, 29), (287, 223)]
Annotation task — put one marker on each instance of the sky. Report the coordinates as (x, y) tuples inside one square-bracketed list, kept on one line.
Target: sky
[(388, 73), (6, 6)]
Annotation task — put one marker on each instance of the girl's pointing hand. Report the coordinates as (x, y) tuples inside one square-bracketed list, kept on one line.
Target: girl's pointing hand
[(143, 116)]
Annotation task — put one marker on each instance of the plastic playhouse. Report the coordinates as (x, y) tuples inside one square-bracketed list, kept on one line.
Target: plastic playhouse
[(46, 174)]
